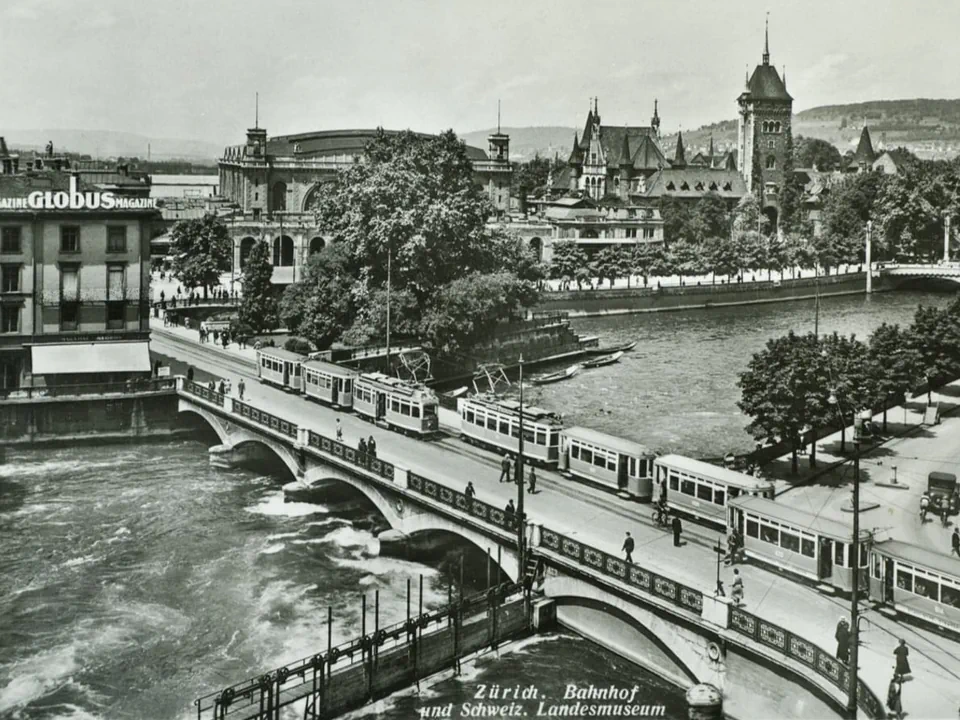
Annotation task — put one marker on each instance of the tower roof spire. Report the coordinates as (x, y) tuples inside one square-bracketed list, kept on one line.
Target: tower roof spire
[(766, 41), (498, 116), (256, 115), (680, 159)]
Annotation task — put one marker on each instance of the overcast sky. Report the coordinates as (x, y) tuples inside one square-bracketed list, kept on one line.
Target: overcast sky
[(175, 68)]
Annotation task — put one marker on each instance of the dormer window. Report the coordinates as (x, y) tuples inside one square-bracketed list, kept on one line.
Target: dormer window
[(593, 158), (684, 185), (727, 186), (713, 186), (671, 186), (699, 187)]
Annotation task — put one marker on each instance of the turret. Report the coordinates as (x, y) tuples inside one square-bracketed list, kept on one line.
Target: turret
[(626, 166), (680, 159), (576, 163), (655, 120), (256, 142), (710, 155)]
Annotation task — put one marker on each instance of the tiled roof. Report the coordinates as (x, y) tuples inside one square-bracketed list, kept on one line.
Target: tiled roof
[(765, 84), (648, 156), (612, 141), (864, 153), (694, 182), (3, 147), (561, 180), (338, 142)]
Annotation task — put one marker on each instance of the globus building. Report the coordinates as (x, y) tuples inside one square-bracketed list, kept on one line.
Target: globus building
[(74, 286)]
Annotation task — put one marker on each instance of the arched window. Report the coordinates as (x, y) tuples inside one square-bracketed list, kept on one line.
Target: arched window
[(776, 127), (771, 162), (283, 251), (765, 126), (317, 244)]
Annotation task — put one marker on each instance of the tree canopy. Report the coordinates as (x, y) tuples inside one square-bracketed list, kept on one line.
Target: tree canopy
[(200, 251), (814, 152), (413, 205), (258, 306)]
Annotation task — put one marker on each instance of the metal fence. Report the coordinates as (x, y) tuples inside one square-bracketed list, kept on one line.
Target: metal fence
[(478, 509), (202, 391), (262, 417), (350, 455)]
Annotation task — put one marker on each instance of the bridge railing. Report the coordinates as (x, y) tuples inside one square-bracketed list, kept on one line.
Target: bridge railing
[(351, 455), (638, 578), (118, 388), (262, 417), (805, 652), (204, 392), (172, 303), (485, 512)]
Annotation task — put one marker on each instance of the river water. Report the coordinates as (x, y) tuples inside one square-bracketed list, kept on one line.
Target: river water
[(135, 578)]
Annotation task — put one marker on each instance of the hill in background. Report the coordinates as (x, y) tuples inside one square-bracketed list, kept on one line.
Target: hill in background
[(112, 144), (929, 128)]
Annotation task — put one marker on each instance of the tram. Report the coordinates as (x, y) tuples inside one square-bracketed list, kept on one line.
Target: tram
[(329, 383), (496, 424), (702, 490), (280, 367), (916, 582), (804, 544), (402, 406), (616, 463)]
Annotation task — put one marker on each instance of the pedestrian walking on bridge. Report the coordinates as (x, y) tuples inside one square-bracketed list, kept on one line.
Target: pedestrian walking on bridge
[(339, 431), (510, 510), (627, 548), (842, 636), (371, 446), (532, 479), (470, 492), (737, 591), (677, 529), (240, 387), (362, 446), (505, 469), (955, 542)]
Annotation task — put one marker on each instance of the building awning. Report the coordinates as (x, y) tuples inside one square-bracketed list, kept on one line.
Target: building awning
[(105, 357)]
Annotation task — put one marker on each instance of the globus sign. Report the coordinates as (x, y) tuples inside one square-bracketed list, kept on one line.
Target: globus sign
[(73, 199)]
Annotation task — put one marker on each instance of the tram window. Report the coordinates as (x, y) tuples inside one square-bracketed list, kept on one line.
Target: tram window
[(469, 415), (599, 459), (612, 463), (491, 423), (926, 587), (554, 438), (734, 492), (347, 386), (515, 430), (769, 534), (586, 455), (674, 482), (687, 487), (863, 555), (753, 529), (789, 541), (950, 595), (718, 496), (415, 411), (705, 492), (839, 553), (405, 409), (807, 547), (574, 451), (528, 435), (905, 580), (541, 437), (504, 427)]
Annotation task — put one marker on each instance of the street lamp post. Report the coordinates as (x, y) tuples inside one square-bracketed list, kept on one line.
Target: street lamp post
[(389, 263), (720, 551), (520, 517)]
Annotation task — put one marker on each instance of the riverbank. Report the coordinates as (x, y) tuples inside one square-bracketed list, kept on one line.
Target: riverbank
[(623, 301)]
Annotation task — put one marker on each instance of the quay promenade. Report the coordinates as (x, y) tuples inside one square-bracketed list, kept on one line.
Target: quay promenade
[(600, 519)]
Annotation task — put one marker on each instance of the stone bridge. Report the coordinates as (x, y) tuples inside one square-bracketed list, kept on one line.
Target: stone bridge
[(900, 273), (678, 632)]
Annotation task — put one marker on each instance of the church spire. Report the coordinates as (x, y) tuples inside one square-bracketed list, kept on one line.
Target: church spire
[(711, 151), (679, 159), (655, 120), (766, 41)]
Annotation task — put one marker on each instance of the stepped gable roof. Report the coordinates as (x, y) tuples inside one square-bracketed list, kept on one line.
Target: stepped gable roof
[(864, 153), (765, 84), (694, 182)]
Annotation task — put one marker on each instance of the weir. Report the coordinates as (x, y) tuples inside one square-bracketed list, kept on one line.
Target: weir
[(691, 636), (384, 660)]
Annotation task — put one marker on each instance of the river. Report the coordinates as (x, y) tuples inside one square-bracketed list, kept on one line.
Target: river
[(136, 578)]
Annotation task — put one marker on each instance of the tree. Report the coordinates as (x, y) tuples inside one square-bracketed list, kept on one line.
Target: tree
[(609, 264), (721, 255), (894, 365), (258, 306), (646, 260), (782, 390), (756, 171), (568, 259), (814, 152), (710, 218), (677, 219), (685, 258), (846, 361), (791, 189), (936, 338), (468, 308), (530, 178), (325, 301), (846, 210), (200, 251)]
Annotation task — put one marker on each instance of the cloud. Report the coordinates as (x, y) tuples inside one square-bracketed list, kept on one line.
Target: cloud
[(99, 20), (29, 9)]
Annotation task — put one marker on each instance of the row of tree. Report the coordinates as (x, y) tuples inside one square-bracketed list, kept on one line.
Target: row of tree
[(800, 383)]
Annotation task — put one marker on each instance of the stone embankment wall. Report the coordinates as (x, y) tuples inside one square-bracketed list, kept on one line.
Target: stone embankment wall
[(635, 300)]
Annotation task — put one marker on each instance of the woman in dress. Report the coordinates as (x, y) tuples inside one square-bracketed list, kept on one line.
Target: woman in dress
[(903, 664)]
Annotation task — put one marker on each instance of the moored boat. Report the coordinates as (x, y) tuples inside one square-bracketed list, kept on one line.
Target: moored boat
[(604, 360), (624, 347), (557, 376)]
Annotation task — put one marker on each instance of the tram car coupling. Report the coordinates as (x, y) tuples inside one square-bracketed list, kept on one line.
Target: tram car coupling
[(281, 368), (495, 423), (702, 491)]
